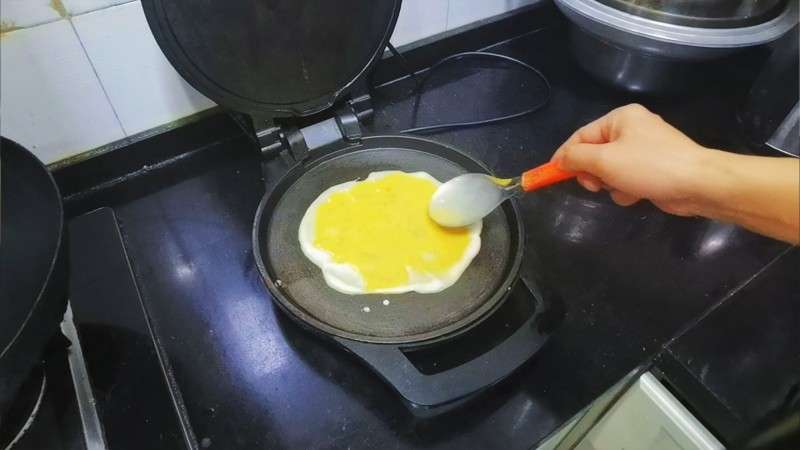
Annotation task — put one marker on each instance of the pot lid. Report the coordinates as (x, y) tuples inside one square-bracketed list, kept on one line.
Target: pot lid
[(272, 57), (703, 13), (596, 17)]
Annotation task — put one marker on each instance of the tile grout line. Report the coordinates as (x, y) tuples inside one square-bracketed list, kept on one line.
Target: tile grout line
[(69, 16), (103, 8), (447, 16), (99, 80)]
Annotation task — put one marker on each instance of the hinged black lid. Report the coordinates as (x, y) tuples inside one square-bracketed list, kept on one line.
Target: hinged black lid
[(272, 57)]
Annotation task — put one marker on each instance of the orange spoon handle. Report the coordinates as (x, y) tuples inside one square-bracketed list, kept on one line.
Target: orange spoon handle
[(544, 175)]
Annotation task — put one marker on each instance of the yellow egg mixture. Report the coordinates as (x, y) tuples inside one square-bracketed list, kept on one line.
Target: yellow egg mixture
[(381, 228)]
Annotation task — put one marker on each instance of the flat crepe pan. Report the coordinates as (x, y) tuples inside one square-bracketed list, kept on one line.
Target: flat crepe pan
[(382, 336)]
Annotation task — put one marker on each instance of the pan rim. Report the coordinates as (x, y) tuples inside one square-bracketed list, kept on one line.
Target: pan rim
[(308, 321)]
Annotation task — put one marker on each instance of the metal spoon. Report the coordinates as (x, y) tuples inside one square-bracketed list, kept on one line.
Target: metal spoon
[(468, 198)]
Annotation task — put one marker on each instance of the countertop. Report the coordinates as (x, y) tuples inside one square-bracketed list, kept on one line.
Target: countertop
[(635, 283)]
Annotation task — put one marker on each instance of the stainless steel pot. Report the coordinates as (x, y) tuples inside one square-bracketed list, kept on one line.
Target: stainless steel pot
[(652, 45), (770, 117)]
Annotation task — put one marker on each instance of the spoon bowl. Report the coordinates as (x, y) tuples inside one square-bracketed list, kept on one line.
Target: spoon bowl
[(468, 198)]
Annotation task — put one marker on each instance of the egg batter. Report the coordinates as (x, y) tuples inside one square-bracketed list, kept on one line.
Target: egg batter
[(375, 236)]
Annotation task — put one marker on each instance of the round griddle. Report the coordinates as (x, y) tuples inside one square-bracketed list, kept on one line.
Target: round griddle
[(298, 284), (383, 336)]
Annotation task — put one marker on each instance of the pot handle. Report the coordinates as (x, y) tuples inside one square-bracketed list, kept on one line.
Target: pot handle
[(390, 362)]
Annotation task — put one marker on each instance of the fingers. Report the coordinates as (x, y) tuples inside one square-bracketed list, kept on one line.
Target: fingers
[(597, 152), (583, 158), (604, 129), (623, 199), (684, 209), (594, 184), (590, 182), (596, 132)]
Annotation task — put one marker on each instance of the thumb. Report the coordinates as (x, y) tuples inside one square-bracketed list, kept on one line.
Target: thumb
[(583, 158)]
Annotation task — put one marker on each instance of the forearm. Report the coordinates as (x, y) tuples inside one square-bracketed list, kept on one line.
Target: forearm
[(761, 194)]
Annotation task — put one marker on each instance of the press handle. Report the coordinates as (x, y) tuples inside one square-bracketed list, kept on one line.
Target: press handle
[(440, 388), (544, 175)]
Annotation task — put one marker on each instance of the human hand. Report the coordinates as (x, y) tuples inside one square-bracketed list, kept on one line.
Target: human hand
[(635, 155)]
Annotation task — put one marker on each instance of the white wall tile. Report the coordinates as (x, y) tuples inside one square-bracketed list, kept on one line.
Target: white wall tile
[(144, 89), (26, 13), (52, 102), (75, 7), (419, 19), (463, 12)]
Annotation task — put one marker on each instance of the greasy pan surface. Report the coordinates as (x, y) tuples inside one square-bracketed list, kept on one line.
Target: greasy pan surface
[(298, 285)]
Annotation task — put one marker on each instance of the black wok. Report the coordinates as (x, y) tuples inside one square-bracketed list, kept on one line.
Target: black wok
[(33, 266)]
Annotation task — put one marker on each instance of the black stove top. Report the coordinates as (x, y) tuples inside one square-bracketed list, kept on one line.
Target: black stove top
[(184, 347)]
